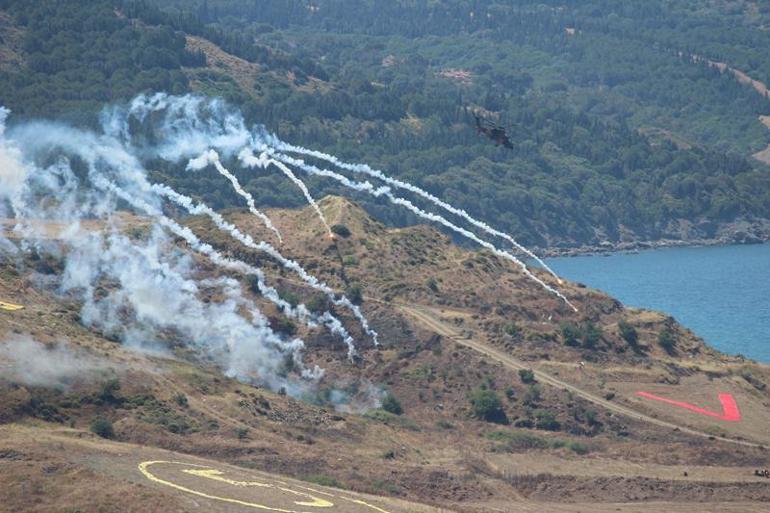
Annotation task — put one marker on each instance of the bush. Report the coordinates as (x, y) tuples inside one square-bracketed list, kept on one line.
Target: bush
[(545, 419), (354, 294), (102, 427), (391, 405), (341, 230), (323, 480), (629, 333), (511, 329), (486, 405), (432, 284), (667, 341), (527, 376), (350, 260), (181, 400), (533, 395), (109, 390), (516, 440), (591, 335), (570, 334)]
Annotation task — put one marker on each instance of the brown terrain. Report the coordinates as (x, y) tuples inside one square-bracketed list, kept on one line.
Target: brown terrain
[(574, 436)]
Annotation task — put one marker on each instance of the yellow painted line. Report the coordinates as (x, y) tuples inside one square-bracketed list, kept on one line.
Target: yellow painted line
[(10, 306), (217, 475)]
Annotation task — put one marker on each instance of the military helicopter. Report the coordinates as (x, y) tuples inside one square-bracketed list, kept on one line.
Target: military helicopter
[(493, 131)]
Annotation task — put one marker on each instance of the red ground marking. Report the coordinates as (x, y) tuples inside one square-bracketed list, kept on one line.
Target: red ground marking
[(730, 411)]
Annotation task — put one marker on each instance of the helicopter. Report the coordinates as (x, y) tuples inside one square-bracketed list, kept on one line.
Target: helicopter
[(493, 131)]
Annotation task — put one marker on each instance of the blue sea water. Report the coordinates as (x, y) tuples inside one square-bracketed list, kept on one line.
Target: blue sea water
[(722, 293)]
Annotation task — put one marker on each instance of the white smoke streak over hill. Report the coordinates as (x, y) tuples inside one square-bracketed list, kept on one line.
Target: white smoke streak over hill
[(249, 160), (365, 169), (248, 241), (386, 192), (212, 157), (137, 290)]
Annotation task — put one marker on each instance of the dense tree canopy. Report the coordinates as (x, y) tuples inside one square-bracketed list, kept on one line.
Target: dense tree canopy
[(615, 125)]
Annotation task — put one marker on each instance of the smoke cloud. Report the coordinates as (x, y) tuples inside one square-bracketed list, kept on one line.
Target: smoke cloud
[(25, 360)]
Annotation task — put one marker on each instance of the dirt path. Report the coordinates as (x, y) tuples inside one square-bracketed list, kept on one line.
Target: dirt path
[(431, 320)]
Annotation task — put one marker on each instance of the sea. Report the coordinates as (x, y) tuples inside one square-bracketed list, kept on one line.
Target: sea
[(722, 293)]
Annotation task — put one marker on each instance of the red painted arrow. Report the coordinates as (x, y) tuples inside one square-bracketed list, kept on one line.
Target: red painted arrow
[(730, 411)]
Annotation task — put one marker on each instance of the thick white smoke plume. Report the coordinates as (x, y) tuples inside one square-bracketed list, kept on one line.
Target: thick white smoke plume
[(25, 360), (147, 290)]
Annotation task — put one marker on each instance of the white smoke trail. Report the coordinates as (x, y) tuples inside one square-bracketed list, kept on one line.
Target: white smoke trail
[(150, 293), (365, 169), (202, 209), (299, 312), (386, 191), (249, 160), (212, 157)]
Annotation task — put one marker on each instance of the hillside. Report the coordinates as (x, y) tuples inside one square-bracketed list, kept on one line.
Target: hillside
[(623, 134), (470, 432)]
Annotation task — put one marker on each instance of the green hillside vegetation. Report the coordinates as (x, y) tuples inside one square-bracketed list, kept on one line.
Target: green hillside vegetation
[(612, 128)]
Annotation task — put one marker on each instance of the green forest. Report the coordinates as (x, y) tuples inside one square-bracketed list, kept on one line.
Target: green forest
[(616, 121)]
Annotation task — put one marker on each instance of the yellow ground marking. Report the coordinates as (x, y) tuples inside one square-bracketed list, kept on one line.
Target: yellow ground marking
[(216, 475), (10, 306)]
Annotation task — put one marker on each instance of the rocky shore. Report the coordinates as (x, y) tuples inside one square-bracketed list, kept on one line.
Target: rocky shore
[(677, 234)]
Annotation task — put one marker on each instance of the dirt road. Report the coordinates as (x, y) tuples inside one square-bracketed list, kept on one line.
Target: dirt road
[(431, 319)]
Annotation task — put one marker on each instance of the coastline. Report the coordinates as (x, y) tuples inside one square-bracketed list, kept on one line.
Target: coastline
[(736, 233)]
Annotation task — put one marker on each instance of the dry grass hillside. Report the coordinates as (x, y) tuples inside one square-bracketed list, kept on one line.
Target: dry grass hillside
[(457, 327)]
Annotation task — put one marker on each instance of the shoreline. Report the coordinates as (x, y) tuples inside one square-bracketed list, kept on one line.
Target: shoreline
[(639, 246)]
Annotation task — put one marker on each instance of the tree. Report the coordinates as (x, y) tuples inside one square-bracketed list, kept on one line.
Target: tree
[(102, 427), (341, 230), (527, 376), (486, 405), (391, 405)]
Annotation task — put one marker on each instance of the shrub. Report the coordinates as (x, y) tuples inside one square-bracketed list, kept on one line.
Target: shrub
[(102, 427), (181, 400), (510, 393), (354, 294), (432, 284), (629, 333), (545, 419), (350, 260), (511, 329), (242, 433), (109, 390), (527, 376), (391, 405), (667, 341), (486, 405), (533, 395), (317, 303), (570, 335), (591, 335), (517, 440), (323, 480), (341, 230)]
